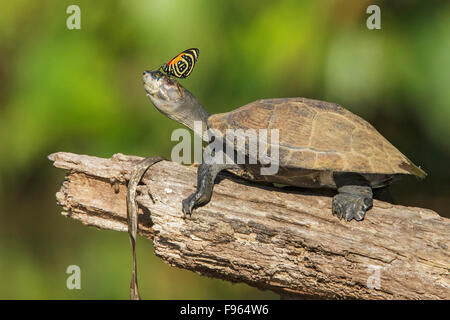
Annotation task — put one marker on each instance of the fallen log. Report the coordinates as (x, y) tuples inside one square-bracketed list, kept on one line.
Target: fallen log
[(284, 240)]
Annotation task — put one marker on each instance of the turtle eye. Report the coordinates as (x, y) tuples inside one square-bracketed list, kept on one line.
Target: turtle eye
[(169, 81)]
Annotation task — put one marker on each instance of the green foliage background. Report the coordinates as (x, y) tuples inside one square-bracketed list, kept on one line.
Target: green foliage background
[(81, 91)]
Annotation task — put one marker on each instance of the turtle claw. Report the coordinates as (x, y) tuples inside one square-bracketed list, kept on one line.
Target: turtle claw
[(350, 206), (188, 205)]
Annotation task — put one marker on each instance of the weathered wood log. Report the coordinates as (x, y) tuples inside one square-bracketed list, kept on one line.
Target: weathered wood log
[(282, 240)]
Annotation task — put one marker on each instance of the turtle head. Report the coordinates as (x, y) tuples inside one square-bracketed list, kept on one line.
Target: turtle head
[(173, 100), (161, 89)]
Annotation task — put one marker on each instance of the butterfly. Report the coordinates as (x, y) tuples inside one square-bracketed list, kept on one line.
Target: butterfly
[(182, 64)]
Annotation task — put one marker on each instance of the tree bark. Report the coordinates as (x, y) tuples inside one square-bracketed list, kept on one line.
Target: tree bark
[(284, 240)]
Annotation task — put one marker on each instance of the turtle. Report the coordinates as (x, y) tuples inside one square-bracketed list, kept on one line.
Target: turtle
[(320, 145)]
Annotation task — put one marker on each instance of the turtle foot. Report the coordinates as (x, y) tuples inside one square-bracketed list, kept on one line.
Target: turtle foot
[(351, 206), (188, 204)]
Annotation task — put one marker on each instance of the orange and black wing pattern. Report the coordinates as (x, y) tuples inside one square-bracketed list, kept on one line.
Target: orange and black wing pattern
[(181, 66)]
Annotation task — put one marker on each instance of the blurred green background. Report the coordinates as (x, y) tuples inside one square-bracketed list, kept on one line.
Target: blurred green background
[(81, 91)]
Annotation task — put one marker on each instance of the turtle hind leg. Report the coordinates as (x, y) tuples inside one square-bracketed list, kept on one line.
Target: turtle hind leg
[(354, 196), (352, 202)]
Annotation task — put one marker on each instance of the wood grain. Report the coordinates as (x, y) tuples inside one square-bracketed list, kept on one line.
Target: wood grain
[(286, 241)]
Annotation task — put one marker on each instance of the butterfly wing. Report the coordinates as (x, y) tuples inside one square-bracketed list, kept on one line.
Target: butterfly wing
[(182, 64)]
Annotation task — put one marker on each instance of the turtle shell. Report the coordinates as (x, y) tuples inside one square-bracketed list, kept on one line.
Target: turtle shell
[(318, 135)]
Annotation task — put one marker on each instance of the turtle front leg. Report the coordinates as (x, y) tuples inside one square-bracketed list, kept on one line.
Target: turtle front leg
[(206, 174), (354, 197)]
